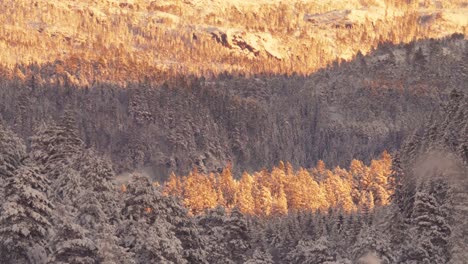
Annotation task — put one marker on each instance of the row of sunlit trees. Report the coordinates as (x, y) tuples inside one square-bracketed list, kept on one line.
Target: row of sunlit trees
[(284, 189)]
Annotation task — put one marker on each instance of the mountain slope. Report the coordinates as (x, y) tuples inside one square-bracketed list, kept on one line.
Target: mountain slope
[(351, 110), (116, 41)]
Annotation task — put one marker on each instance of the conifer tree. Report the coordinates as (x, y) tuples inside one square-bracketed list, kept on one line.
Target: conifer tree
[(311, 252), (430, 224), (150, 243), (228, 187), (245, 200), (12, 155), (25, 218), (260, 257), (263, 201), (280, 203), (54, 148), (228, 236), (199, 193), (73, 245), (148, 226), (173, 186), (372, 242)]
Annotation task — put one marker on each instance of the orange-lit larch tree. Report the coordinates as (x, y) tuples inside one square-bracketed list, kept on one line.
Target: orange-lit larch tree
[(262, 197), (280, 203), (199, 193), (173, 186), (283, 190), (338, 192), (245, 201), (228, 187)]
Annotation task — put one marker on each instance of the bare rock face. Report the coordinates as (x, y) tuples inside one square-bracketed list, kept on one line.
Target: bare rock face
[(252, 44)]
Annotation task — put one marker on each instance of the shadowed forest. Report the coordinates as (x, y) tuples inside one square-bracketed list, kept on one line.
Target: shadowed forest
[(354, 110)]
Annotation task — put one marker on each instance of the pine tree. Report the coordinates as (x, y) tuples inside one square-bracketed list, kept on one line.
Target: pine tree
[(371, 242), (430, 225), (25, 218), (192, 241), (228, 236), (73, 245), (311, 252), (12, 155), (150, 243), (67, 187), (109, 250), (96, 176), (90, 212), (149, 225), (54, 148)]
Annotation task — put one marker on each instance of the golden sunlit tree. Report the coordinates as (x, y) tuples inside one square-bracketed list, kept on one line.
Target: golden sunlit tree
[(283, 190), (198, 193), (280, 203), (245, 200), (173, 185), (228, 187)]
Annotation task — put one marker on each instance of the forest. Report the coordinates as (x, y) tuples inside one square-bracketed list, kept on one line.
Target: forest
[(353, 110), (250, 132), (60, 204)]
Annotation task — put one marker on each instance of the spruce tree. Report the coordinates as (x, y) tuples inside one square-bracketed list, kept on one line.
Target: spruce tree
[(148, 227), (72, 244), (25, 218)]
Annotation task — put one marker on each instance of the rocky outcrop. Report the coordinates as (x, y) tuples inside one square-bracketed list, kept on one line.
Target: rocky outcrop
[(253, 44)]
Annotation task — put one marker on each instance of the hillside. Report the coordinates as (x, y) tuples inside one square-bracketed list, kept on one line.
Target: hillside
[(350, 110), (116, 41), (60, 204), (436, 155), (237, 132)]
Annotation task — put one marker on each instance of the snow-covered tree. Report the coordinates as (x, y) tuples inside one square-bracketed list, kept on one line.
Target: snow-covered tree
[(72, 244), (260, 257), (148, 228), (150, 243), (109, 249), (96, 175), (25, 218), (228, 236), (312, 252), (429, 228), (12, 155), (55, 147), (90, 212), (192, 241), (372, 242)]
